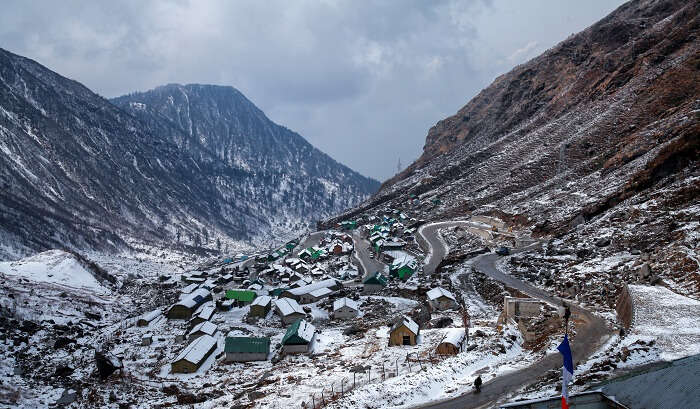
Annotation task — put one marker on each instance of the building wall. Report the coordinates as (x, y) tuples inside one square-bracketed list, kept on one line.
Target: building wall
[(396, 337), (259, 311), (245, 356), (295, 349), (179, 312), (292, 317), (526, 307)]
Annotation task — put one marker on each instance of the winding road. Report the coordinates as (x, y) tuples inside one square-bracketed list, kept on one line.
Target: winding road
[(590, 336)]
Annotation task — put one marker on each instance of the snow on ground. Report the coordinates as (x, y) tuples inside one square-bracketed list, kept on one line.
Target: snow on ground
[(450, 377), (672, 319), (53, 266)]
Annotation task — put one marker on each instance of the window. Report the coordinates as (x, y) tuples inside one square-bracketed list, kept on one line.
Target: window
[(407, 340)]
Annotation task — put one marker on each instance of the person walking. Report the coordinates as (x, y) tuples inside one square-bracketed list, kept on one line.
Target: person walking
[(567, 315), (477, 384)]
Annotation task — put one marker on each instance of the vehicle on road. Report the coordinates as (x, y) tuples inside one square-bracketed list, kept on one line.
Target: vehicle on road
[(502, 251)]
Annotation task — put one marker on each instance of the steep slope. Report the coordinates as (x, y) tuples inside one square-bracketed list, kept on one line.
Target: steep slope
[(597, 137), (76, 171), (299, 179)]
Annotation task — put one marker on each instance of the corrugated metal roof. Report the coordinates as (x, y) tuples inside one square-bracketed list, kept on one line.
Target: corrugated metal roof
[(301, 332), (241, 295), (247, 345), (674, 386)]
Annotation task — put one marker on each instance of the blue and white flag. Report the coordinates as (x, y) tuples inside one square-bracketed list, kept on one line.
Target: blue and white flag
[(567, 371)]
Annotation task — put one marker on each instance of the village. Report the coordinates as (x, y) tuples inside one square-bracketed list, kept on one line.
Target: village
[(309, 321)]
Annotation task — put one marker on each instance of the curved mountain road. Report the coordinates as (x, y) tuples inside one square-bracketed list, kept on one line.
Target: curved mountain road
[(588, 339)]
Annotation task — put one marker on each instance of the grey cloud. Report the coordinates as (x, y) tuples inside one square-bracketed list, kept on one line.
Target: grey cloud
[(363, 81)]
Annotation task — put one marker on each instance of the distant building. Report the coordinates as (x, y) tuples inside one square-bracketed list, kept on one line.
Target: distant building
[(344, 308), (289, 310), (261, 306), (403, 332), (147, 318), (403, 266), (441, 299), (245, 349), (299, 338), (203, 314), (203, 328), (296, 293), (241, 297), (184, 309), (452, 343), (194, 355)]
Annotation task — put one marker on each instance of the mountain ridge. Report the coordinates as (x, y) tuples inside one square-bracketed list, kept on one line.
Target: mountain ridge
[(71, 158)]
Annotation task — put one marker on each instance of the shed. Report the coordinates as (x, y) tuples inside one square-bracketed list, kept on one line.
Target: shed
[(225, 305), (344, 308), (404, 266), (204, 314), (289, 310), (261, 306), (373, 283), (194, 355), (241, 297), (452, 342), (146, 339), (203, 328), (441, 299), (298, 338), (188, 305), (147, 318), (245, 349), (189, 289), (403, 332)]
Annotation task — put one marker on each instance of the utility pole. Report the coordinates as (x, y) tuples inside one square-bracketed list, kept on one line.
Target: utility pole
[(398, 166)]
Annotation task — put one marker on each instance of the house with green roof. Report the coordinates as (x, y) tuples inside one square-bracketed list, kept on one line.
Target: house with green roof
[(373, 283), (403, 267), (246, 349), (299, 338), (348, 225), (241, 297)]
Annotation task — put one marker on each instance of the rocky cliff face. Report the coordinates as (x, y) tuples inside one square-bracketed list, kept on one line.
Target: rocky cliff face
[(78, 171), (597, 137)]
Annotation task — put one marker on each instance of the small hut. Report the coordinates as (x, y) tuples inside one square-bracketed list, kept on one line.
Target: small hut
[(147, 318), (452, 343), (261, 306), (403, 332), (344, 308), (441, 299), (203, 328)]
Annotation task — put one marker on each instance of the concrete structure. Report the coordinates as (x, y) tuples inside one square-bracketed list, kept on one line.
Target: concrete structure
[(345, 308), (184, 309), (441, 299), (299, 338), (194, 355), (452, 342), (515, 308), (246, 349), (403, 332)]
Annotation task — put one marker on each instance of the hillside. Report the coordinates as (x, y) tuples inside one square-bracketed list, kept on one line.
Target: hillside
[(597, 137), (80, 172)]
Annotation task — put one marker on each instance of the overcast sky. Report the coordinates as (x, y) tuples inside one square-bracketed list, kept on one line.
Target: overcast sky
[(361, 80)]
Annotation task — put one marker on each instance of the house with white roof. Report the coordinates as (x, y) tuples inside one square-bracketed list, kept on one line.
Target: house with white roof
[(296, 293), (452, 342), (344, 308), (288, 310), (203, 328), (194, 355), (441, 299), (184, 308)]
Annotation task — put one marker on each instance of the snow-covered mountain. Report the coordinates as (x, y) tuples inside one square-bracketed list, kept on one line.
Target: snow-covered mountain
[(196, 166)]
